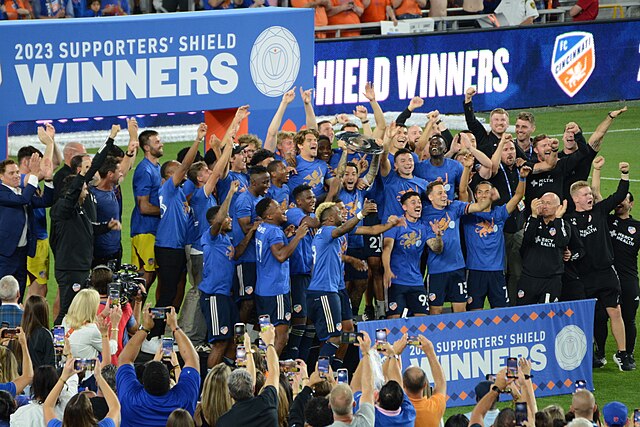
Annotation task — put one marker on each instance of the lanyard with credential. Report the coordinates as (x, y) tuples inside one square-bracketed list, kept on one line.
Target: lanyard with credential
[(506, 178)]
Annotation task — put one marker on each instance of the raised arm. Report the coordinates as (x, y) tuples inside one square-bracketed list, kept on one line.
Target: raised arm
[(362, 113), (512, 204), (282, 252), (131, 350), (179, 175), (187, 351), (598, 163), (223, 212), (132, 149), (496, 158), (366, 374), (385, 164), (473, 123), (367, 208), (435, 243), (381, 124), (439, 380), (595, 140), (109, 395), (309, 114), (49, 405), (268, 336), (27, 368), (483, 406), (416, 102), (427, 132), (463, 188), (270, 141)]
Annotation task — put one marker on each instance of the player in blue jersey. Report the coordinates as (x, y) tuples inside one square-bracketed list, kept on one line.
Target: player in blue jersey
[(237, 170), (399, 180), (172, 235), (309, 169), (403, 247), (439, 168), (446, 278), (484, 238), (243, 212), (279, 190), (273, 250), (146, 211), (300, 265), (107, 246), (216, 301)]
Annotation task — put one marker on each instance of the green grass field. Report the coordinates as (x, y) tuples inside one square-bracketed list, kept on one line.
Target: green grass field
[(620, 145)]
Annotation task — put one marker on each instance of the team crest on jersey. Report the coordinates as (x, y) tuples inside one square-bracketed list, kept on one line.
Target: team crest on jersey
[(552, 231), (393, 306), (297, 308), (432, 297), (248, 290), (520, 293), (573, 61), (411, 239), (224, 330), (338, 327), (43, 274), (631, 229), (486, 227), (287, 316)]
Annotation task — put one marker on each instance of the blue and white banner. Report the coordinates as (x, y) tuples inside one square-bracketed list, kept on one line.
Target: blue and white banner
[(155, 63), (510, 68), (555, 337)]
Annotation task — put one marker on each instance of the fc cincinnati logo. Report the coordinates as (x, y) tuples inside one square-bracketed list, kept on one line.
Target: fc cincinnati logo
[(574, 58)]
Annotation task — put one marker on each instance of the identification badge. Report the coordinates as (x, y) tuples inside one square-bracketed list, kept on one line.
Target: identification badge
[(520, 205)]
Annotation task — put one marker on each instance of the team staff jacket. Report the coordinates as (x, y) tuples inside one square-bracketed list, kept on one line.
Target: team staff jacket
[(543, 247)]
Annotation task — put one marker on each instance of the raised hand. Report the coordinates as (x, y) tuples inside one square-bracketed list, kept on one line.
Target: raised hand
[(562, 209), (369, 207), (113, 132), (306, 95), (361, 112), (416, 102), (623, 167), (525, 171), (468, 94), (369, 93), (132, 128), (616, 113), (289, 96), (536, 204), (202, 131), (598, 163)]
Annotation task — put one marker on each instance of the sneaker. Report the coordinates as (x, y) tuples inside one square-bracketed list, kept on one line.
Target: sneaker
[(632, 361), (368, 314), (621, 358), (202, 348), (599, 362)]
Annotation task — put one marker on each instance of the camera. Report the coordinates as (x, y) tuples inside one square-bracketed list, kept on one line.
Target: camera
[(126, 281)]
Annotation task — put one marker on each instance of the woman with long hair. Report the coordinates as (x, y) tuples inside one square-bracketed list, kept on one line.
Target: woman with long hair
[(79, 412), (35, 321), (215, 396)]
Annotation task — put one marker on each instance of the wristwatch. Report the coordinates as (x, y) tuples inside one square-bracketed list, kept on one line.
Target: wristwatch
[(496, 389), (142, 328)]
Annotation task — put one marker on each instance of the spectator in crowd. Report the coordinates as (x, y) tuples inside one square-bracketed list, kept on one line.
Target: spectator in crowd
[(481, 390), (17, 221), (583, 405), (115, 7), (261, 410), (45, 379), (518, 12), (251, 143), (615, 414), (498, 123), (7, 407), (79, 407), (585, 10), (10, 310), (17, 384), (321, 7), (429, 410), (345, 12), (215, 400), (378, 10), (411, 9), (99, 402), (35, 322), (180, 418), (94, 9)]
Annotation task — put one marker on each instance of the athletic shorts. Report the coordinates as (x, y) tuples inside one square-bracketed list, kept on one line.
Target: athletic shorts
[(412, 298), (572, 289), (278, 307), (299, 286), (325, 313), (539, 290), (483, 284), (142, 252), (372, 244), (38, 265), (345, 305), (443, 287), (603, 285), (351, 273), (220, 314), (245, 281)]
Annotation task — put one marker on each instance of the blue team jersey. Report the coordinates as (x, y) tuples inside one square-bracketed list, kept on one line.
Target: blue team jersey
[(312, 174), (146, 182), (483, 235), (334, 161), (218, 269), (449, 173), (272, 275), (174, 217), (200, 204), (280, 195), (353, 202), (107, 208), (394, 188), (223, 185), (244, 207), (302, 258), (406, 417), (409, 243), (392, 160), (39, 216), (328, 267), (449, 222), (188, 187)]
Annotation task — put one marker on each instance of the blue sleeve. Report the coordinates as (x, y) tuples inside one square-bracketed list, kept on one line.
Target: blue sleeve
[(106, 422), (459, 207), (10, 387), (54, 423), (276, 236), (501, 213), (335, 158), (188, 387), (243, 208), (142, 184), (295, 216), (356, 399), (126, 380), (391, 233)]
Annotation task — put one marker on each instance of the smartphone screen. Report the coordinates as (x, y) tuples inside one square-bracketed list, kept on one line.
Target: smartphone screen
[(84, 364), (241, 356), (9, 333), (348, 338), (414, 341), (114, 297), (58, 336), (323, 366), (167, 346), (381, 338), (512, 367), (521, 413), (239, 329), (159, 312), (264, 321), (343, 376)]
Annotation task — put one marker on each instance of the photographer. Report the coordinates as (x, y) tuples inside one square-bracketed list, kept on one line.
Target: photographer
[(101, 277)]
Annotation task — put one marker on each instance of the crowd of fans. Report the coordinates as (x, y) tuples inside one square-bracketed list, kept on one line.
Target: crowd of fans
[(327, 12), (291, 237)]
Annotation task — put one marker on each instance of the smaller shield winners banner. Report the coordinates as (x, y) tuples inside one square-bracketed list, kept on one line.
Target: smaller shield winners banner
[(555, 337)]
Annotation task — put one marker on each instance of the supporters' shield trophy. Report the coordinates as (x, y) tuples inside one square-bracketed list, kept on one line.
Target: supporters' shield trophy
[(357, 142)]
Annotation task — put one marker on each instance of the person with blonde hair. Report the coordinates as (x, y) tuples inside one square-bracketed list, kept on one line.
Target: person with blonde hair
[(89, 333), (10, 381), (215, 399)]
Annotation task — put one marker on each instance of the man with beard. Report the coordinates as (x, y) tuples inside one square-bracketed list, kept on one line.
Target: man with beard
[(525, 126), (279, 190), (498, 122), (626, 244), (596, 269), (439, 168), (310, 169), (243, 213), (546, 235), (446, 280), (403, 247)]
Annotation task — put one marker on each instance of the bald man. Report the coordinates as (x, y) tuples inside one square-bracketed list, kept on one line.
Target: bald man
[(583, 404), (546, 235), (69, 151)]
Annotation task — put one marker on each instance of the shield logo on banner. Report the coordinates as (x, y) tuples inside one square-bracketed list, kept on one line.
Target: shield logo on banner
[(573, 62)]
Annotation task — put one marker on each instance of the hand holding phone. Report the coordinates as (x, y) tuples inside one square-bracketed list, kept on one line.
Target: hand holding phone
[(167, 347), (159, 312), (323, 366), (343, 376), (521, 413), (84, 364), (58, 336), (241, 356), (512, 367), (381, 338)]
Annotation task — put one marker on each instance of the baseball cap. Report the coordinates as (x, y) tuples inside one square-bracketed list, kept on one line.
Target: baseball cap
[(237, 149), (482, 388), (615, 414)]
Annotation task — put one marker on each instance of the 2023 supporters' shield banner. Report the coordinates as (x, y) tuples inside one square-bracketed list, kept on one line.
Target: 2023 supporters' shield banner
[(557, 338)]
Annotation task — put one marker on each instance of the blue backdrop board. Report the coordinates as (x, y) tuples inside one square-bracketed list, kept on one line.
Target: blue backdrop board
[(555, 337), (158, 63), (510, 68)]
